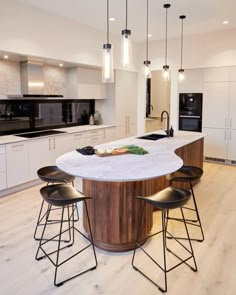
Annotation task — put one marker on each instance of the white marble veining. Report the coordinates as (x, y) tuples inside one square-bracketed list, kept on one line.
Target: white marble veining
[(160, 160)]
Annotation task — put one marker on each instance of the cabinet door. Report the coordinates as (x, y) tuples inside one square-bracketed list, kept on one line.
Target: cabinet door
[(193, 81), (60, 145), (96, 136), (90, 84), (232, 106), (215, 104), (78, 140), (126, 96), (215, 143), (3, 180), (39, 155), (17, 163), (217, 74), (232, 145)]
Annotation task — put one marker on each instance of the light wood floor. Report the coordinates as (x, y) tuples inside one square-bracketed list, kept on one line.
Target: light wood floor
[(20, 273)]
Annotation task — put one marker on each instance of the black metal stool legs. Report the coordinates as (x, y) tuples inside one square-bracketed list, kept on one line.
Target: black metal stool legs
[(72, 228), (165, 248), (193, 222)]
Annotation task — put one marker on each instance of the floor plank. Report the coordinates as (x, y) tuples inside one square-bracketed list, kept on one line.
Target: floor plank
[(20, 273)]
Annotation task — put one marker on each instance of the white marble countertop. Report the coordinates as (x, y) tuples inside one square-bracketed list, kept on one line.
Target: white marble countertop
[(160, 160), (68, 130)]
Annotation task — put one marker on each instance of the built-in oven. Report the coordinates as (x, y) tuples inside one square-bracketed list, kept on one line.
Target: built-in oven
[(190, 123), (190, 112)]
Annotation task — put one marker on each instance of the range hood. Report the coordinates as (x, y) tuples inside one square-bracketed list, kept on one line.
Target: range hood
[(32, 81)]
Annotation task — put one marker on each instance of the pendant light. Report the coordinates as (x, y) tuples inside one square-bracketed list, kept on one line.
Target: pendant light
[(107, 67), (147, 62), (166, 69), (126, 46), (181, 70)]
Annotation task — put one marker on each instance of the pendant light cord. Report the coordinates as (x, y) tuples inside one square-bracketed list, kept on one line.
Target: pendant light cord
[(126, 14), (166, 40), (181, 58), (147, 35), (107, 21)]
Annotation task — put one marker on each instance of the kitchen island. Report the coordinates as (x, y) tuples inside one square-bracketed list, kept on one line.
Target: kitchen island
[(114, 183)]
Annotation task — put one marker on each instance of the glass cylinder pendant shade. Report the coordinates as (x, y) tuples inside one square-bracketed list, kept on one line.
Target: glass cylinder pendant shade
[(126, 49), (181, 75), (166, 73), (147, 70), (107, 67)]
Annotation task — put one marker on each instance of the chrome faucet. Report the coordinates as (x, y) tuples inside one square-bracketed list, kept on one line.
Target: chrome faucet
[(168, 122)]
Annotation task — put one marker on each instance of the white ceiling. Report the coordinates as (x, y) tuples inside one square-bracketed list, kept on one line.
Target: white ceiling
[(201, 15)]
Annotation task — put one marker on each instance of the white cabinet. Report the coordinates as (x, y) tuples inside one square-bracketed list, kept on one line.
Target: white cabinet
[(17, 163), (215, 104), (45, 151), (219, 116), (125, 106), (85, 83), (3, 175), (193, 82), (217, 74)]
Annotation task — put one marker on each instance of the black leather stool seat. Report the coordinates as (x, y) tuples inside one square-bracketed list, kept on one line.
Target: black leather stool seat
[(54, 174), (169, 198), (186, 173), (61, 195)]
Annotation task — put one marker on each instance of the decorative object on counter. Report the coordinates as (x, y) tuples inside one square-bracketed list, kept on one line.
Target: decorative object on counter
[(66, 197), (168, 198), (147, 62), (96, 118), (91, 120), (86, 151), (171, 131), (166, 68), (126, 149), (181, 70), (126, 45), (107, 66)]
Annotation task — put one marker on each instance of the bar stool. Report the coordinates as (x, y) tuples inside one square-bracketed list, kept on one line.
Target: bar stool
[(51, 174), (188, 174), (169, 198), (63, 195)]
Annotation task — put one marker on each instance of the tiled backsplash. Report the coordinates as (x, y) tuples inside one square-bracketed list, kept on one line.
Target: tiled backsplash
[(9, 78)]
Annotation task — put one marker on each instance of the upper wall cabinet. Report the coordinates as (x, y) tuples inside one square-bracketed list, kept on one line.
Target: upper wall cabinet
[(193, 82), (85, 83), (219, 74)]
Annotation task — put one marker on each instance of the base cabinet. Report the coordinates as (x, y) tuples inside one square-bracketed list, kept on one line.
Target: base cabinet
[(17, 163), (3, 173), (45, 151)]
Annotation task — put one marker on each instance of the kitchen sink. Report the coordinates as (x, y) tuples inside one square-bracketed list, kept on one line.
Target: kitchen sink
[(153, 136), (39, 133)]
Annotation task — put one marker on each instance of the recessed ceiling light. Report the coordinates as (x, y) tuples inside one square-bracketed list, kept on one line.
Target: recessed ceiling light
[(225, 22), (6, 56), (149, 35), (61, 65), (111, 19)]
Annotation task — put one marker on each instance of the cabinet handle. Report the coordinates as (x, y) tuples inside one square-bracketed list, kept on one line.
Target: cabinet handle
[(225, 134), (17, 145), (225, 122), (54, 143), (49, 143), (230, 123), (230, 135)]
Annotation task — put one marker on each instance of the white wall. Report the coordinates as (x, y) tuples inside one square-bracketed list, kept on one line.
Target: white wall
[(208, 50), (31, 31)]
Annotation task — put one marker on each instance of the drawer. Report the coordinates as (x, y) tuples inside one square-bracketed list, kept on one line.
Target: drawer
[(3, 180), (2, 162), (2, 149)]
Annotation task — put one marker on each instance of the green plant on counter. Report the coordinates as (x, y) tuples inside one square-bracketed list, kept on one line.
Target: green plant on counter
[(134, 149)]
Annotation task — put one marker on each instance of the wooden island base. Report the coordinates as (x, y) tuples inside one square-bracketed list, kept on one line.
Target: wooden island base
[(115, 210)]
